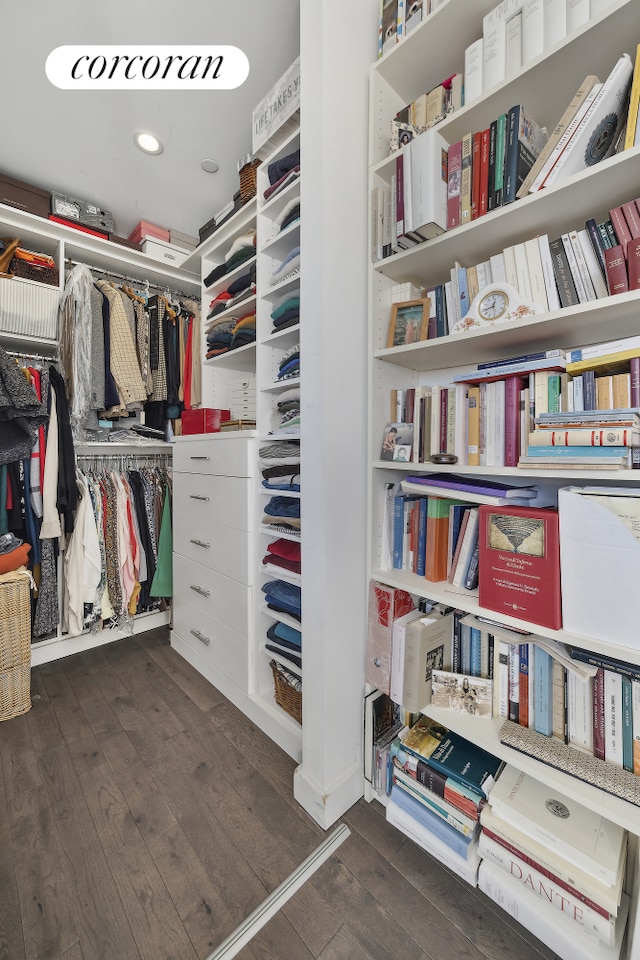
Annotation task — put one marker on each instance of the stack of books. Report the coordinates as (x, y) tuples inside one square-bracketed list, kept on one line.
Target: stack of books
[(556, 866), (438, 784)]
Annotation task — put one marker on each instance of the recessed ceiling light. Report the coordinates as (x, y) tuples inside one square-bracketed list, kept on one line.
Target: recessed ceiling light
[(147, 142), (209, 166)]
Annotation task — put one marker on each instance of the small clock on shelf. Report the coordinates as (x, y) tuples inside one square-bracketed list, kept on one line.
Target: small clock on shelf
[(495, 304)]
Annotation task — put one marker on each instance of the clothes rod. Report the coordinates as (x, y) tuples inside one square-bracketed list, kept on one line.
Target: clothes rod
[(26, 355), (135, 280)]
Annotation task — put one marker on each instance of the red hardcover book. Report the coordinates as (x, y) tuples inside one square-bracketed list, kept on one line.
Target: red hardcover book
[(454, 184), (598, 714), (437, 550), (512, 388), (410, 400), (475, 174), (520, 563), (621, 227), (483, 205), (616, 269), (633, 264), (78, 226), (632, 217)]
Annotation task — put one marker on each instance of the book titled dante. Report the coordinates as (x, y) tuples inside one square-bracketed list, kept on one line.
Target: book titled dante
[(454, 691), (519, 563)]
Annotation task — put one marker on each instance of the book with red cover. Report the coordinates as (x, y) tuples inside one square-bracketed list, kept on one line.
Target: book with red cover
[(512, 388), (621, 227), (454, 184), (520, 563), (476, 150), (78, 226), (616, 269), (632, 217), (633, 264), (598, 714), (484, 173), (385, 605), (437, 559)]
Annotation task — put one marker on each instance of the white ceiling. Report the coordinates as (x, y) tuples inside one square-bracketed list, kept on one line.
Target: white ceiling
[(81, 142)]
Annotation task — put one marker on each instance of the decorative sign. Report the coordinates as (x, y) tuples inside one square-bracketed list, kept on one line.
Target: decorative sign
[(277, 107)]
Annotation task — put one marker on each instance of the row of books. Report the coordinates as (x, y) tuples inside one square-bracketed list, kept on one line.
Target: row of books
[(426, 111), (516, 32)]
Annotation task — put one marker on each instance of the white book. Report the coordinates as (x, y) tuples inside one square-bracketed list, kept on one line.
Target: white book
[(555, 22), (484, 274), (580, 712), (523, 285), (573, 267), (513, 53), (403, 821), (595, 136), (398, 636), (532, 30), (473, 58), (585, 276), (584, 837), (466, 550), (460, 437), (406, 182), (578, 393), (546, 859), (613, 717), (536, 273), (557, 932), (374, 225), (595, 273), (503, 677), (490, 424), (453, 304), (564, 139), (498, 270), (428, 186), (427, 647), (589, 923), (602, 349), (494, 56), (577, 14), (510, 270)]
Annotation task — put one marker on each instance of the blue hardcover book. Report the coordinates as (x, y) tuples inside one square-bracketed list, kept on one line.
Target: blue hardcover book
[(422, 537), (455, 840), (524, 358), (627, 724), (465, 648), (543, 691), (574, 453), (475, 652), (631, 670), (398, 530)]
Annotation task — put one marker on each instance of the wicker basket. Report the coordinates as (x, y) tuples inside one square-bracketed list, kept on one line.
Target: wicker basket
[(15, 646), (33, 271), (286, 696), (248, 181)]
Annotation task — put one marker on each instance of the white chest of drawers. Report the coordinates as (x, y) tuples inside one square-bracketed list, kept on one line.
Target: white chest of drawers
[(213, 555)]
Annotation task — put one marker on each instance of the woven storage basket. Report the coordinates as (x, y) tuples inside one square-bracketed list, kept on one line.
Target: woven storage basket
[(248, 181), (15, 647), (33, 271), (287, 696)]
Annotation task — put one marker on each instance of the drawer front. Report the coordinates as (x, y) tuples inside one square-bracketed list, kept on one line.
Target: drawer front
[(225, 456), (224, 649), (215, 595), (212, 499), (220, 548)]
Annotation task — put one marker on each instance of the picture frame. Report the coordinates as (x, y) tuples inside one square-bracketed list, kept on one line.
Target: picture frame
[(408, 323)]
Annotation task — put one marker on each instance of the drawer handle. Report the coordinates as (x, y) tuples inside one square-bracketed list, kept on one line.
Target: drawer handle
[(197, 496), (201, 543), (199, 458), (201, 637), (200, 590)]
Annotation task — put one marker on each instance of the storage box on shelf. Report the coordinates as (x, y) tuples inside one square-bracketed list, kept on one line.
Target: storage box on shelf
[(544, 87)]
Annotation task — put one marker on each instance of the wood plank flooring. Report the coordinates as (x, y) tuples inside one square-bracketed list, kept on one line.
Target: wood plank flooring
[(142, 817)]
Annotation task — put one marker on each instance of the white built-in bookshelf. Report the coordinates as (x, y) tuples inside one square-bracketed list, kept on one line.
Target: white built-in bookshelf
[(434, 50)]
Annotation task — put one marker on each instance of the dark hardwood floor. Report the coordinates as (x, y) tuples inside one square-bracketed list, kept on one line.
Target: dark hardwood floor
[(142, 817)]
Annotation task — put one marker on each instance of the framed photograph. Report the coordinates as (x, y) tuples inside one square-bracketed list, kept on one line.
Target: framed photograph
[(409, 322), (397, 440)]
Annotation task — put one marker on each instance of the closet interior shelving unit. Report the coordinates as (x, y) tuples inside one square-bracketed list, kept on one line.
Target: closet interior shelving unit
[(432, 51), (28, 324), (244, 675)]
